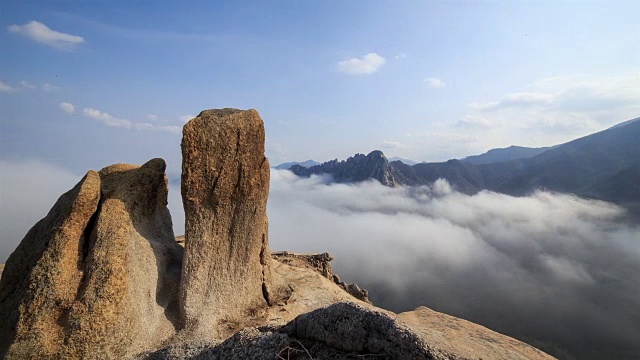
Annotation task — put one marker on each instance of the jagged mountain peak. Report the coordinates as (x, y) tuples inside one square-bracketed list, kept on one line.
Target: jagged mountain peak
[(358, 167)]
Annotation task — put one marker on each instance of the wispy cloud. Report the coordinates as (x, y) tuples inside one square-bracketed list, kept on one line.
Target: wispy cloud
[(67, 107), (573, 104), (6, 88), (517, 100), (368, 64), (434, 83), (186, 118), (49, 87), (389, 144), (44, 87), (41, 33), (113, 121), (24, 85), (475, 121)]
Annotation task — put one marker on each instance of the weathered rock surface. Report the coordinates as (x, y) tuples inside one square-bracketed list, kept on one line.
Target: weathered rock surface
[(95, 277), (43, 275), (452, 335), (322, 264), (349, 331), (226, 282)]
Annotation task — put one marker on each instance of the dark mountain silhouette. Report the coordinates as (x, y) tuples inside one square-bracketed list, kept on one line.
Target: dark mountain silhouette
[(359, 167), (583, 166), (504, 154), (604, 166)]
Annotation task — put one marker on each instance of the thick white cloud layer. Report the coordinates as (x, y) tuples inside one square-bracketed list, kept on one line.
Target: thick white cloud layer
[(548, 267), (553, 269)]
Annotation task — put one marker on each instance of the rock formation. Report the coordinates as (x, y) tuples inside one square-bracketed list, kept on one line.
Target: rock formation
[(322, 264), (350, 331), (225, 185), (102, 276), (359, 167), (95, 276)]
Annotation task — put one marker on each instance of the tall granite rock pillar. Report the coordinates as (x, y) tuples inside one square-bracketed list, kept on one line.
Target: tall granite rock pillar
[(225, 184)]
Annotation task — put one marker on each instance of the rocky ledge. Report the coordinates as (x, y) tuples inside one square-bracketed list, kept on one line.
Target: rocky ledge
[(103, 277)]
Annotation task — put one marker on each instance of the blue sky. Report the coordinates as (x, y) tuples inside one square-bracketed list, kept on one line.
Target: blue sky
[(87, 84)]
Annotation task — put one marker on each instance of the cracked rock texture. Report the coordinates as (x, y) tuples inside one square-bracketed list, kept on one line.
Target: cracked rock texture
[(95, 277), (226, 280)]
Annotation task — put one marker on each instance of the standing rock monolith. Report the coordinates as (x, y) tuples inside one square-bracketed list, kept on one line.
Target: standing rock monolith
[(98, 276), (226, 276)]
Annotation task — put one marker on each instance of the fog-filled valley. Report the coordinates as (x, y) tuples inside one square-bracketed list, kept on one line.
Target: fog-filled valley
[(554, 270)]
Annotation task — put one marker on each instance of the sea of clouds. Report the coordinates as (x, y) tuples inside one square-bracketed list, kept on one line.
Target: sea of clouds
[(555, 270)]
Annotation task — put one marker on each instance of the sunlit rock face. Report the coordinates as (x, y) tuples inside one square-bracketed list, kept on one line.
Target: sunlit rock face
[(225, 184), (97, 274)]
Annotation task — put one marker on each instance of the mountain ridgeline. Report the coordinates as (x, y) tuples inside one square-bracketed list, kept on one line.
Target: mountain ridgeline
[(603, 166), (498, 155), (357, 168)]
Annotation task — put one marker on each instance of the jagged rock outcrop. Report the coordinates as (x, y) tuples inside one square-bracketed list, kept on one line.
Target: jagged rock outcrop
[(357, 168), (322, 264), (95, 277), (226, 281)]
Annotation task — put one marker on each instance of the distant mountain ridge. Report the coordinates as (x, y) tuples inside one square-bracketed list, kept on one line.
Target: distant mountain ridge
[(604, 166), (357, 168), (504, 154)]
